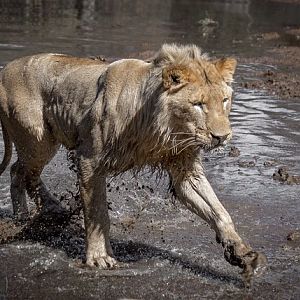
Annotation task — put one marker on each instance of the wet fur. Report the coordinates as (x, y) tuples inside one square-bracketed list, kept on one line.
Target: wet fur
[(125, 115)]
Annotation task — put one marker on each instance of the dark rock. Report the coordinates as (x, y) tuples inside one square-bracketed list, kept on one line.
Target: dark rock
[(295, 179), (246, 164), (234, 152), (270, 163), (293, 236), (282, 175)]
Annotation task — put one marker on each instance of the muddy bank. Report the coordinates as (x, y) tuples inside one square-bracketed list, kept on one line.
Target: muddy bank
[(281, 74)]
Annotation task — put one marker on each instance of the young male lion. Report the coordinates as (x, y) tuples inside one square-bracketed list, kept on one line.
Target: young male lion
[(119, 116)]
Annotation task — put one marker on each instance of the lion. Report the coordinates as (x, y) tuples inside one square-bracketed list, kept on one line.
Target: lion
[(118, 116)]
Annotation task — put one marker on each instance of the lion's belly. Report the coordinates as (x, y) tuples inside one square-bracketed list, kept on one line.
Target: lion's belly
[(64, 113), (61, 125)]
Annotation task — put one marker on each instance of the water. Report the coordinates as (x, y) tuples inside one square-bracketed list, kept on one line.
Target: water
[(166, 251), (119, 28)]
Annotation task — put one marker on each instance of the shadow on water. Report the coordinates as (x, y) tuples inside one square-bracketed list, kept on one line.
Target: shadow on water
[(57, 233), (132, 252)]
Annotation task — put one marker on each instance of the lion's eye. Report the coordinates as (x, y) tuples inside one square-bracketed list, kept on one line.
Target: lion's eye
[(225, 101), (198, 106)]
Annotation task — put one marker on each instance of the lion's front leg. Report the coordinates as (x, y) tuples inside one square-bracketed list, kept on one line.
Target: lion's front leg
[(93, 193), (197, 194)]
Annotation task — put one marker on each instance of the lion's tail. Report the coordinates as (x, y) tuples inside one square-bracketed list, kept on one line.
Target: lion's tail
[(7, 149)]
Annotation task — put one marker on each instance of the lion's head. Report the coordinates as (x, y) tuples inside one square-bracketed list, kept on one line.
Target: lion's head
[(175, 103), (197, 97)]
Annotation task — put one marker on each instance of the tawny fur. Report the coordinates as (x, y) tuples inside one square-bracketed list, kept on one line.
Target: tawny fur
[(124, 115)]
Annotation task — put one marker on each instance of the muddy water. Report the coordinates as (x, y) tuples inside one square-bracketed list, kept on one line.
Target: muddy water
[(165, 251)]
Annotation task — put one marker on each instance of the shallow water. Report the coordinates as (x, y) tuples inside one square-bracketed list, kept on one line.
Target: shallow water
[(166, 251), (119, 28)]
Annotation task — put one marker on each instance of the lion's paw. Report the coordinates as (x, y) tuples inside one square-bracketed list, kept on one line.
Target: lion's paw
[(102, 262)]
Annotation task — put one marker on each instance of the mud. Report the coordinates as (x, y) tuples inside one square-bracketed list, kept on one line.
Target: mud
[(270, 163), (246, 164), (282, 81), (164, 251), (282, 56), (234, 152), (282, 175), (294, 236)]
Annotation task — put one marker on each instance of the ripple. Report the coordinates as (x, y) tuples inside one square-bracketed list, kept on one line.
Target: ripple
[(11, 46)]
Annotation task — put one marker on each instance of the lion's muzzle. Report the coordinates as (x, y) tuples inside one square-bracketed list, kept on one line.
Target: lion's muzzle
[(218, 140)]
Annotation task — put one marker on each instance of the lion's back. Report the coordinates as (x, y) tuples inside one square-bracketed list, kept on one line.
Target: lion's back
[(29, 85)]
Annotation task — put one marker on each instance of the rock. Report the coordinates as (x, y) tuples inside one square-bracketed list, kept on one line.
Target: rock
[(234, 152), (293, 236), (98, 57), (269, 73), (269, 36), (295, 179), (282, 175), (208, 22), (246, 164), (270, 163)]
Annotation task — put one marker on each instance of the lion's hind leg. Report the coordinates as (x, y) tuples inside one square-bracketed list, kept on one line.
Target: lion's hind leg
[(45, 202), (17, 190), (24, 178), (32, 158)]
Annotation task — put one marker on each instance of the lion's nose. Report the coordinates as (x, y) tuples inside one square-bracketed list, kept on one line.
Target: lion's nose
[(218, 139)]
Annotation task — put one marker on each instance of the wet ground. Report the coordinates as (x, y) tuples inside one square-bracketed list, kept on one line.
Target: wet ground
[(165, 251)]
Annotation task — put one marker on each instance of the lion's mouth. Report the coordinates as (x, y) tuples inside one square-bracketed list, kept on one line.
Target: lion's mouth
[(197, 142), (209, 143)]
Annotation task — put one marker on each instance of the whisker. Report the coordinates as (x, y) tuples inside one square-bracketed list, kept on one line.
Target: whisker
[(182, 133), (181, 142), (187, 146), (174, 148)]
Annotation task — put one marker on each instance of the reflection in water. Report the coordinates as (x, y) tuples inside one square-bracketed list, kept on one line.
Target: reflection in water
[(86, 13)]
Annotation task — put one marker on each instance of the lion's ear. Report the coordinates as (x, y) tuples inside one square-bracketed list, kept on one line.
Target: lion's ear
[(226, 67), (175, 77)]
